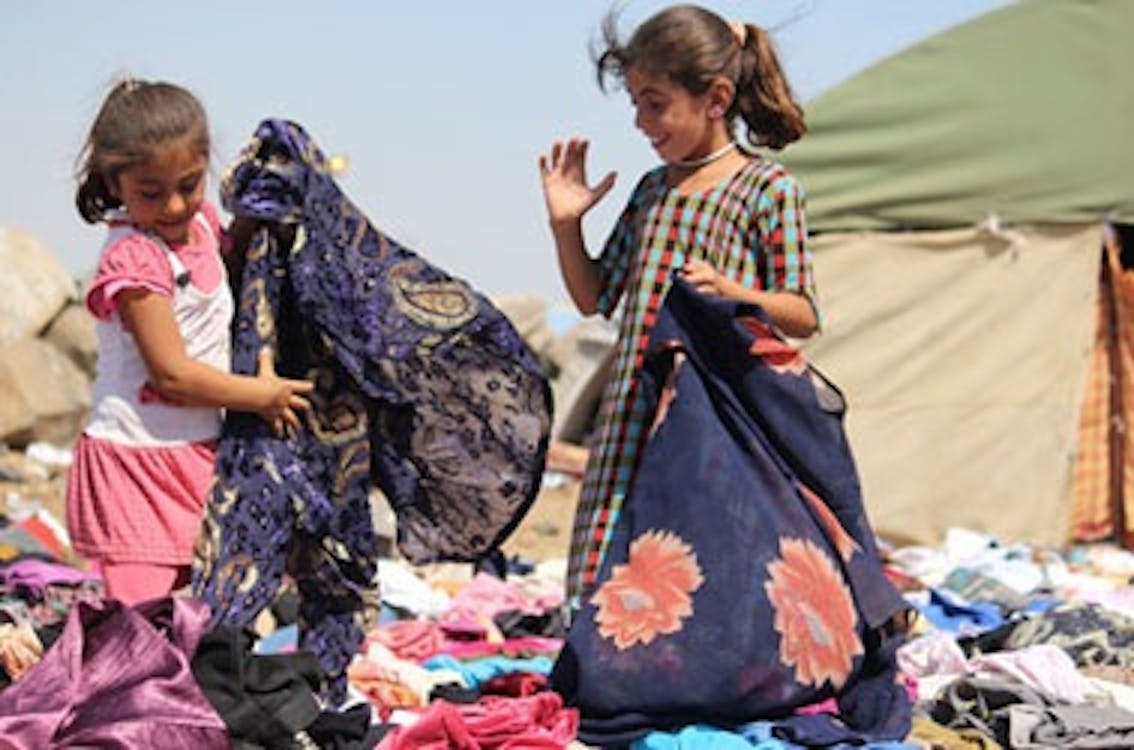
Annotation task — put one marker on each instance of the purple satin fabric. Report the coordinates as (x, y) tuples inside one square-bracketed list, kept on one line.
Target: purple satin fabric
[(117, 677), (36, 575)]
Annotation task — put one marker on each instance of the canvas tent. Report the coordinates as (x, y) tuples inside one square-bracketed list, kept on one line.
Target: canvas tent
[(959, 193)]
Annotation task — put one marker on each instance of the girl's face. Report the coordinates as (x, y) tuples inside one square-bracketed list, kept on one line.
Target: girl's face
[(163, 194), (678, 124)]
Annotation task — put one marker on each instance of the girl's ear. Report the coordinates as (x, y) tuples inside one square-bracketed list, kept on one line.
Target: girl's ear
[(721, 92)]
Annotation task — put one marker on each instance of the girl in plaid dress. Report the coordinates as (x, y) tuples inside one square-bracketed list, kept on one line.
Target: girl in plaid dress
[(730, 221)]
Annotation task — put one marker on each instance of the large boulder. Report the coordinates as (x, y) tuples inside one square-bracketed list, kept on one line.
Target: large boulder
[(34, 285), (528, 314), (73, 333), (583, 359), (46, 396)]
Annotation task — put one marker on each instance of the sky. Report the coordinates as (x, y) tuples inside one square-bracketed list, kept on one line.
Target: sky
[(441, 108)]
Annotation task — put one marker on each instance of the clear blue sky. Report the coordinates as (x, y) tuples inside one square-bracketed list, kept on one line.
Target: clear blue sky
[(442, 108)]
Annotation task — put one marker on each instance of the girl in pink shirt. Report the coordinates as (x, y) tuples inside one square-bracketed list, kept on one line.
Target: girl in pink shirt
[(161, 298)]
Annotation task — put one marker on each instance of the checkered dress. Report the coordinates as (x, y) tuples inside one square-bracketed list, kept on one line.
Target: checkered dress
[(752, 229)]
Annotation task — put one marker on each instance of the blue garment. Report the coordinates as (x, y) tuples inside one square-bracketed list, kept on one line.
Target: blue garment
[(479, 671), (949, 612), (743, 579), (423, 389), (701, 736)]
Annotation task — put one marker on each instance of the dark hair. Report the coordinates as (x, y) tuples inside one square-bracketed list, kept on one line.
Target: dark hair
[(135, 119), (693, 47)]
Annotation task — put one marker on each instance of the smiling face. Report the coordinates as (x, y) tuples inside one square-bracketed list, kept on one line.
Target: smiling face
[(679, 125), (164, 193)]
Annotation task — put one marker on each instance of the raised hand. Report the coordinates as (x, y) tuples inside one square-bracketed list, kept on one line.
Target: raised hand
[(563, 173)]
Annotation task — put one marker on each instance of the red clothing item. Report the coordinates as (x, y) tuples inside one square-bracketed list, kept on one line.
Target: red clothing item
[(539, 721)]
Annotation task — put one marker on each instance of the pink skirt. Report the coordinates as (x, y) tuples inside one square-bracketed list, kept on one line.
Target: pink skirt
[(137, 504)]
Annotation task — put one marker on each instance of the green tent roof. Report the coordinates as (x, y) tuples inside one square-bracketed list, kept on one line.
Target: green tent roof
[(1025, 114)]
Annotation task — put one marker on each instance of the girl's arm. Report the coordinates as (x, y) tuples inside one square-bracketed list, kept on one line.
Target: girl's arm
[(179, 377), (564, 179), (791, 312)]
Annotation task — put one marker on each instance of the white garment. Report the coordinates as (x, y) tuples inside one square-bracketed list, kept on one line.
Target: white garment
[(203, 320)]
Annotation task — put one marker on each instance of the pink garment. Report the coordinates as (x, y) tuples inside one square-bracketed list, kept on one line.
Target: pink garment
[(141, 505), (412, 640), (511, 647), (483, 597), (141, 469), (495, 723), (137, 261), (133, 583), (417, 640)]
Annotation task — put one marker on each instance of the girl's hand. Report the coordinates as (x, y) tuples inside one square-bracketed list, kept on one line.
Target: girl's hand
[(705, 279), (282, 396), (564, 177)]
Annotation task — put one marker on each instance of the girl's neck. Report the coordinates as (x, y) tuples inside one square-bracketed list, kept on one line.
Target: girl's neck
[(709, 175), (708, 158)]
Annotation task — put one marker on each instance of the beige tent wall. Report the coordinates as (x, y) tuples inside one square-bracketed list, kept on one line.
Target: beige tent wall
[(963, 356)]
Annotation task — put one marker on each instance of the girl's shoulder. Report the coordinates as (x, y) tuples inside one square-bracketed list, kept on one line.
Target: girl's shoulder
[(770, 176), (649, 184), (212, 217), (129, 260)]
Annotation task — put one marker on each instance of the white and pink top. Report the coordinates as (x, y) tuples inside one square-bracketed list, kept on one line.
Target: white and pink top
[(143, 465)]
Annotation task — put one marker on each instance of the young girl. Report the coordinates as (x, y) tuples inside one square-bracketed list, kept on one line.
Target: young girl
[(137, 486), (728, 220), (720, 529)]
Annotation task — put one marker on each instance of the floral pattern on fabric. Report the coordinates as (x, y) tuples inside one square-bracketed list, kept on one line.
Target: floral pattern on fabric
[(650, 594), (776, 353), (843, 542), (743, 580), (815, 616)]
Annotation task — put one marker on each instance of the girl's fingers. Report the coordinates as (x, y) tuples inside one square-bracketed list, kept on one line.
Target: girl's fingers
[(302, 386), (266, 363)]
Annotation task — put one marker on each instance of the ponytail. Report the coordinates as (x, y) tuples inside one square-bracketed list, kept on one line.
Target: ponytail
[(763, 96), (93, 198)]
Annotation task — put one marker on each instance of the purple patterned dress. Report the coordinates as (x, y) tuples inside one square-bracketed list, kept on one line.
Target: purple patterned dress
[(423, 389)]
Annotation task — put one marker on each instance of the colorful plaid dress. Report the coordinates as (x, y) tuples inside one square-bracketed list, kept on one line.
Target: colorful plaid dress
[(751, 228)]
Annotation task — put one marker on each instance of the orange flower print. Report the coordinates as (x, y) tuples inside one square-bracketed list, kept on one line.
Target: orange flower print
[(649, 595), (844, 543), (668, 393), (768, 346), (814, 614)]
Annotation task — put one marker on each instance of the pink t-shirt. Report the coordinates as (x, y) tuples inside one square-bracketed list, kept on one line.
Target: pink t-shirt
[(138, 262)]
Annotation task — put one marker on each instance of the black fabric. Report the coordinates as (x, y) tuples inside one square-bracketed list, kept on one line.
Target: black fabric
[(263, 698)]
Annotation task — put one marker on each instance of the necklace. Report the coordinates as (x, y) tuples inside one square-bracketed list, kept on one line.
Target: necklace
[(708, 158)]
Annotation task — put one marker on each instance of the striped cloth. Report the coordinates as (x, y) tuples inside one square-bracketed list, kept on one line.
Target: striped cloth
[(752, 229), (1099, 509)]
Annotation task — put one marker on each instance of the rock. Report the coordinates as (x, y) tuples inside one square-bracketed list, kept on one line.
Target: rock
[(73, 333), (34, 286), (528, 313), (43, 394), (584, 359)]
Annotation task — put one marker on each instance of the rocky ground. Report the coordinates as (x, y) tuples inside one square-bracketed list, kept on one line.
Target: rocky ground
[(545, 532)]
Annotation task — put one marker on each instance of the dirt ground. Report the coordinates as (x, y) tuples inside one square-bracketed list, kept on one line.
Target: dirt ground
[(545, 532)]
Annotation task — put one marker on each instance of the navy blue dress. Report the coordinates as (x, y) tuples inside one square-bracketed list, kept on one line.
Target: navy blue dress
[(743, 579)]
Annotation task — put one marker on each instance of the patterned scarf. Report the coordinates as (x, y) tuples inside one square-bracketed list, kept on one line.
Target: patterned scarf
[(423, 390)]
